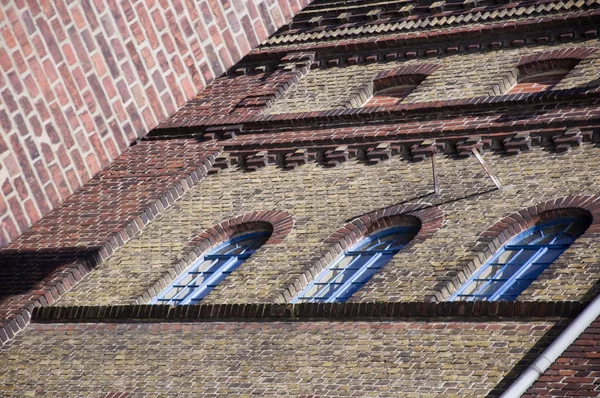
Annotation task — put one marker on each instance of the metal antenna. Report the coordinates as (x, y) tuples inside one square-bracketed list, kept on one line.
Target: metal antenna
[(436, 187), (485, 167)]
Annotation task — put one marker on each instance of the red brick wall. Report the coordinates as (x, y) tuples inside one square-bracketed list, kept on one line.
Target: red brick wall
[(576, 372), (79, 82)]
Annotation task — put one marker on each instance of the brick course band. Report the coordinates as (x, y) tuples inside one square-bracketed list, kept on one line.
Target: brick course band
[(481, 310), (566, 27), (176, 127), (284, 151), (417, 17), (278, 222)]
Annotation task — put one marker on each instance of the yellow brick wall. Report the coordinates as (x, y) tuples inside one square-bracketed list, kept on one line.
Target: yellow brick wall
[(460, 76), (321, 200), (274, 359)]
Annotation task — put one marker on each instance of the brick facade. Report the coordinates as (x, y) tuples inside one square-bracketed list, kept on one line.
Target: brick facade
[(466, 208), (275, 359), (80, 82), (284, 142)]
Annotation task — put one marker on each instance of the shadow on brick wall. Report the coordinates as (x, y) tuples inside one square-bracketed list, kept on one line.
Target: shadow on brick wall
[(26, 272), (540, 346), (592, 292), (528, 359)]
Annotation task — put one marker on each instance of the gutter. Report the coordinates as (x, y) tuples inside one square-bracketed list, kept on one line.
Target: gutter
[(555, 350)]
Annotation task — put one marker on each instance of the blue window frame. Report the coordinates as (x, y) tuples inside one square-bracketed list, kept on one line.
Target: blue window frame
[(209, 270), (519, 262), (353, 268)]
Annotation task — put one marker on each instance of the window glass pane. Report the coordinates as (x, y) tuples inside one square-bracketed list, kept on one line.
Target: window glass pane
[(554, 229), (473, 286), (507, 272), (204, 266), (312, 291), (490, 288), (376, 244), (563, 239), (515, 289), (324, 293), (489, 271), (258, 242), (401, 241), (329, 276), (346, 260), (187, 279), (530, 237), (346, 292), (522, 256), (173, 293), (548, 256), (180, 294), (506, 256), (576, 229), (533, 271), (237, 248), (357, 265)]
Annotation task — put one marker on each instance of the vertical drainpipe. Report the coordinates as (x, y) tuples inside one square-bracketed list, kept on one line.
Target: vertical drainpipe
[(551, 354)]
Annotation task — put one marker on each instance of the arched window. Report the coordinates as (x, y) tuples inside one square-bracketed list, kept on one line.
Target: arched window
[(209, 270), (353, 268), (519, 262)]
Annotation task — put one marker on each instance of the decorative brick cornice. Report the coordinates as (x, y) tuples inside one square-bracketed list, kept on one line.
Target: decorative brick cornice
[(464, 311), (372, 150), (428, 218), (402, 17), (196, 126), (278, 222), (443, 40), (492, 239)]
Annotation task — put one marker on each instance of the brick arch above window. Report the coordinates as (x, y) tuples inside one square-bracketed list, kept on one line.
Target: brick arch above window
[(576, 53), (501, 232), (278, 223), (429, 218), (390, 87)]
